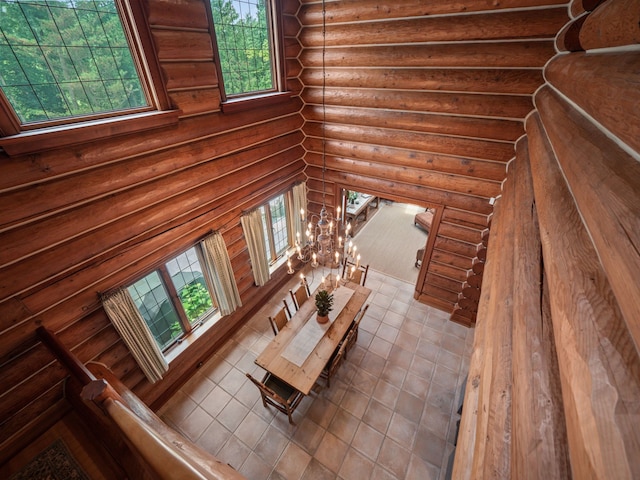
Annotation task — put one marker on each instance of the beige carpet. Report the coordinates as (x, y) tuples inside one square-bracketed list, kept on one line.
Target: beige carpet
[(389, 240)]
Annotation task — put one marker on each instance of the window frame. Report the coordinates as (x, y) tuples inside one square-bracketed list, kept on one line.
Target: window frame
[(249, 100), (275, 260), (17, 138), (186, 326)]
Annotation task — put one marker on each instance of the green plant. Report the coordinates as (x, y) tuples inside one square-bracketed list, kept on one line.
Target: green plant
[(195, 300), (324, 303)]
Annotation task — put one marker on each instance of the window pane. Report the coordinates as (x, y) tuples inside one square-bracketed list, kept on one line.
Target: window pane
[(244, 45), (188, 280), (156, 308), (72, 56), (267, 228), (279, 224)]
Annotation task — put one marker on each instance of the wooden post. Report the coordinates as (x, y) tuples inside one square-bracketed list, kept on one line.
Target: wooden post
[(538, 442), (599, 365)]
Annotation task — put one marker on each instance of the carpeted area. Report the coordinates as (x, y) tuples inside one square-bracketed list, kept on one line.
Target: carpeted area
[(389, 241), (53, 463)]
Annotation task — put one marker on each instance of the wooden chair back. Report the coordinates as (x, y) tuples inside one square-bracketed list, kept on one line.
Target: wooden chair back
[(336, 360), (278, 394), (355, 274), (300, 295), (280, 319), (354, 328)]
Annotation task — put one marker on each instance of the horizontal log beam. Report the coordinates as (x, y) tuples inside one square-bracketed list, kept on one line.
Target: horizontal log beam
[(503, 81), (482, 128), (20, 173), (614, 23), (444, 144), (461, 103), (482, 26), (447, 182), (605, 85), (507, 54), (346, 11), (407, 157)]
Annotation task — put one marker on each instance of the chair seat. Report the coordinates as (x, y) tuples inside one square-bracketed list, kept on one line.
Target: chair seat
[(280, 387)]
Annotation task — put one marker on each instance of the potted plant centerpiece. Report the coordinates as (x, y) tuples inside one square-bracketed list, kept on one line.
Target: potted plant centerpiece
[(324, 304)]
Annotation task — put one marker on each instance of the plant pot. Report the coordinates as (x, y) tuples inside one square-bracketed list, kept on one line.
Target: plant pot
[(322, 319)]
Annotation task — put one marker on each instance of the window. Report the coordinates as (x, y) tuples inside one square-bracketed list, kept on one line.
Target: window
[(66, 58), (246, 45), (74, 71), (175, 298), (274, 221)]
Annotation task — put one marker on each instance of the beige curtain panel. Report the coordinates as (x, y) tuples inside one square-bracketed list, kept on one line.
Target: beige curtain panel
[(296, 223), (135, 333), (218, 264), (254, 235)]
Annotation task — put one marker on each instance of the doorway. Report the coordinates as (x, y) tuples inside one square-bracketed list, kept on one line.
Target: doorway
[(389, 240)]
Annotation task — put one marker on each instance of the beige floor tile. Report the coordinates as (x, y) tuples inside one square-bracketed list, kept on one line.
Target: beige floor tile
[(355, 466), (331, 452), (394, 457), (367, 441), (389, 414), (308, 435), (293, 462), (195, 423), (255, 468), (402, 430), (251, 429), (386, 394), (344, 425), (377, 416), (198, 387), (232, 415)]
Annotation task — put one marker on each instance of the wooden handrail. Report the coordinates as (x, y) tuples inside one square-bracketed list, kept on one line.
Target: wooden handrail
[(166, 452), (69, 361), (163, 459)]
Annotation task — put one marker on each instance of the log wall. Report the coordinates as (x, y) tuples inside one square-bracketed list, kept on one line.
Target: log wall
[(84, 219), (570, 386), (423, 103)]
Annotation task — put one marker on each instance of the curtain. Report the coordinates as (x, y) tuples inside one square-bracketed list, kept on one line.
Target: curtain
[(295, 222), (135, 333), (254, 235), (218, 264)]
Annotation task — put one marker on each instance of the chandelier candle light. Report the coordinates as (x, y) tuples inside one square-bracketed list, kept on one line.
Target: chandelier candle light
[(323, 244)]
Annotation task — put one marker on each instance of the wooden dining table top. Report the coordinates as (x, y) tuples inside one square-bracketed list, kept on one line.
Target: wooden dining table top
[(303, 377)]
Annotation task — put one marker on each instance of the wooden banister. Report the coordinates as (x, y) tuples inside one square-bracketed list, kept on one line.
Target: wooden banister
[(70, 362), (166, 452), (162, 458)]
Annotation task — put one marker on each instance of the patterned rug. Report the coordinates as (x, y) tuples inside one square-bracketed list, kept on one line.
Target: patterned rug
[(53, 463)]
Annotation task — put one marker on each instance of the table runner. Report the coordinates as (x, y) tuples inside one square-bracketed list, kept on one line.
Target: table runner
[(303, 343)]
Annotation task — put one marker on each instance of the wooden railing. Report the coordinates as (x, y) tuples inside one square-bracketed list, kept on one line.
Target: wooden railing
[(167, 453)]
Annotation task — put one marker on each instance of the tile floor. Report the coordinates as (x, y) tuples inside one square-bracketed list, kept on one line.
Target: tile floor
[(390, 413)]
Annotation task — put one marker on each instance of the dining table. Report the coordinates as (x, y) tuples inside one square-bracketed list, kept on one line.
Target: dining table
[(300, 351)]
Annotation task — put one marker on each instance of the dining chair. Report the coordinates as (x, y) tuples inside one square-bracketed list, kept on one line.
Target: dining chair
[(300, 295), (278, 394), (355, 274), (335, 361), (280, 319), (352, 334)]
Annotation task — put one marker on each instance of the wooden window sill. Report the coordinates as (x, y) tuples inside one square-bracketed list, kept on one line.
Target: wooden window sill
[(256, 101), (63, 135)]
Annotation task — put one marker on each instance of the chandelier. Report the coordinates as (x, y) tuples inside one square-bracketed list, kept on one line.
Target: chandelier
[(322, 243)]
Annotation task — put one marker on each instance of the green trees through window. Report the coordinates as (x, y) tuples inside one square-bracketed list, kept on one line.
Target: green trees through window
[(244, 45), (174, 297), (66, 58)]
